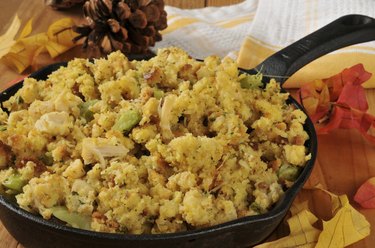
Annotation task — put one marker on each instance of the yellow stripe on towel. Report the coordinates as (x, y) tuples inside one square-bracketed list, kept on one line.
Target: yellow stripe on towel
[(179, 24), (236, 22), (252, 53)]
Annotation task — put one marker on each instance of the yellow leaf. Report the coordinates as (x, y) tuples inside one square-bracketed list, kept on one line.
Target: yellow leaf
[(7, 40), (20, 61), (62, 33), (311, 103), (296, 208), (22, 53), (302, 233), (55, 49), (35, 41), (345, 228), (27, 29)]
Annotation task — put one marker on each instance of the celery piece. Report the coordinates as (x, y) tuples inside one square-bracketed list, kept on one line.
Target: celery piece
[(14, 182), (251, 81), (72, 218), (288, 172), (158, 93), (3, 128), (85, 112), (127, 120)]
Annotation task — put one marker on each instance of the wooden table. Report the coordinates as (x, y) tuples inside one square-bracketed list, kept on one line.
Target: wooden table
[(345, 160)]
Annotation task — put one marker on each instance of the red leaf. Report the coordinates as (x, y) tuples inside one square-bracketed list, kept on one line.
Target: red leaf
[(339, 102), (335, 85), (365, 195), (354, 96), (346, 118), (352, 93), (355, 75)]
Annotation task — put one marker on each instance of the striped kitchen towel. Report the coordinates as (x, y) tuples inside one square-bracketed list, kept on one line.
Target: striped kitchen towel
[(254, 29)]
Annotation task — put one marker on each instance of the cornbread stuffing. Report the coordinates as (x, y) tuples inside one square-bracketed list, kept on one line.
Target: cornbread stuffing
[(158, 146)]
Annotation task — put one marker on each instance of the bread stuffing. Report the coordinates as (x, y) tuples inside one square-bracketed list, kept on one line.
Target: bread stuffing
[(144, 147)]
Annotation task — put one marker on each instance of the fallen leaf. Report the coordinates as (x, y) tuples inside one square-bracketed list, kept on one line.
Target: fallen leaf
[(352, 93), (315, 99), (62, 32), (22, 52), (7, 40), (60, 35), (365, 195), (17, 60), (345, 118), (27, 29), (339, 102), (346, 227), (356, 75), (302, 232)]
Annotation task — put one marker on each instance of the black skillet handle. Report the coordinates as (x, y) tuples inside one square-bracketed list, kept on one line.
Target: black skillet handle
[(345, 31)]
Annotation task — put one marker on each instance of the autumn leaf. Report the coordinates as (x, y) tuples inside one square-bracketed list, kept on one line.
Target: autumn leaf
[(60, 35), (315, 98), (302, 232), (352, 93), (346, 227), (344, 117), (355, 75), (365, 195), (22, 52), (339, 102), (7, 40), (27, 29)]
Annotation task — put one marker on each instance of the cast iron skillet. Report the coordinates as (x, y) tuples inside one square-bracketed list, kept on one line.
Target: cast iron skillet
[(33, 231)]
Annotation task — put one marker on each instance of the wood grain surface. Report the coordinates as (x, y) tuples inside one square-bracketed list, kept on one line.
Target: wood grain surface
[(345, 160)]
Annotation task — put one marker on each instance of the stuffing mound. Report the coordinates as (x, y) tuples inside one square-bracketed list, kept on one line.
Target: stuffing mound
[(158, 146)]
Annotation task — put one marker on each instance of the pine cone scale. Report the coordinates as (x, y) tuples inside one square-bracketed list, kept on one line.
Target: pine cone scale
[(63, 4), (138, 19), (114, 25), (126, 25), (123, 11)]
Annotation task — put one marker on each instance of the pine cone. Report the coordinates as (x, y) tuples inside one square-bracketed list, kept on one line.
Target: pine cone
[(63, 4), (131, 26)]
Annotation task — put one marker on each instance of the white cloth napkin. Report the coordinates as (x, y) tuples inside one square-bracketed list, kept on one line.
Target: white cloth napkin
[(252, 30), (209, 31)]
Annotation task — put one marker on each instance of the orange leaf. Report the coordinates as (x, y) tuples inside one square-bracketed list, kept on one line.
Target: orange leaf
[(365, 195), (314, 97)]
